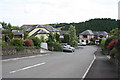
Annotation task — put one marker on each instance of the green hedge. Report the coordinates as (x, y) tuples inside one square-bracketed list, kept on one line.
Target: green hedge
[(17, 42)]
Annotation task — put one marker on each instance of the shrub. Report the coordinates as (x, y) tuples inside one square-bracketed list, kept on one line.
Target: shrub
[(36, 41), (19, 48), (111, 44), (54, 46), (28, 43), (17, 42), (108, 41), (102, 43), (74, 43), (57, 46)]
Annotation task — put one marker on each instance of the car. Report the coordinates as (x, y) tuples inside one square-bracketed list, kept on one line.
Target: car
[(82, 44), (68, 48)]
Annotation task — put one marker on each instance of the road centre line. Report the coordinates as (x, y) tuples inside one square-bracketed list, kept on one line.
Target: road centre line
[(28, 67), (89, 68)]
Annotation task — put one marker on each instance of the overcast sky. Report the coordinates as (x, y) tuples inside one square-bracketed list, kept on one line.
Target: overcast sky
[(19, 12)]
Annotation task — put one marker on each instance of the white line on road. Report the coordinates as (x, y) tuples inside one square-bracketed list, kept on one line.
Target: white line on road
[(24, 57), (88, 68), (28, 67)]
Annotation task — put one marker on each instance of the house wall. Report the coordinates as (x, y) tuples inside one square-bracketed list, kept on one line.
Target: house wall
[(44, 35), (85, 39)]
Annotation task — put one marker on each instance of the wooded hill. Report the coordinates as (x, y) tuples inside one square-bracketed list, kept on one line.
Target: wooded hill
[(97, 24)]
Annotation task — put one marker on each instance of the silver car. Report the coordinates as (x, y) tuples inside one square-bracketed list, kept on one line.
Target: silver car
[(68, 48)]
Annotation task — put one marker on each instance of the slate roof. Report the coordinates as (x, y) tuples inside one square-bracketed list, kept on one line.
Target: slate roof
[(63, 32), (40, 31), (48, 27), (87, 32), (17, 32), (98, 33)]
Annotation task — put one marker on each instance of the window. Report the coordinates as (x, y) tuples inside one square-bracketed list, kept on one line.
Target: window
[(84, 36)]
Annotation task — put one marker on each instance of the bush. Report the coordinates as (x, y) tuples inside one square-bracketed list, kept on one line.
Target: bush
[(36, 41), (54, 46), (28, 43), (111, 44), (108, 41), (113, 53), (102, 43), (17, 42), (19, 48), (74, 43), (57, 46)]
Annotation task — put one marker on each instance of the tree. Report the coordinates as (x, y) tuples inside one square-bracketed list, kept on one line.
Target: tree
[(57, 36), (72, 33), (9, 26), (66, 38), (51, 37), (4, 25)]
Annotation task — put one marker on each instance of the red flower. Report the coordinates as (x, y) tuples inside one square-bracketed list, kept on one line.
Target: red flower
[(28, 43), (111, 44)]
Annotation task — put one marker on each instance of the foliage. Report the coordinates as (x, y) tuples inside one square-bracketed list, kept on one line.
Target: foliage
[(36, 41), (19, 48), (108, 40), (102, 43), (51, 37), (5, 25), (28, 43), (74, 43), (111, 44), (72, 33), (25, 35), (97, 24), (66, 38), (57, 37), (113, 53), (17, 42), (54, 46)]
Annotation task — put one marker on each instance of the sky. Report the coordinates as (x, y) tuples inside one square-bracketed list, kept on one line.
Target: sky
[(19, 12)]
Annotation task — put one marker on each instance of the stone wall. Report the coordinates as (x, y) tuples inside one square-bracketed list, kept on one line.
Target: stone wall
[(12, 51)]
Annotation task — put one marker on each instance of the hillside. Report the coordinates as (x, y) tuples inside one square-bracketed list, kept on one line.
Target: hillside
[(97, 24)]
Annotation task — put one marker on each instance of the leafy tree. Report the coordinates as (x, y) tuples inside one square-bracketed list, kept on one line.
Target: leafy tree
[(4, 25), (66, 38), (72, 33), (57, 36)]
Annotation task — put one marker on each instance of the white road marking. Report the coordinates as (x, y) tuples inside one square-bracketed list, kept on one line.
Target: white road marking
[(23, 57), (88, 68), (28, 67)]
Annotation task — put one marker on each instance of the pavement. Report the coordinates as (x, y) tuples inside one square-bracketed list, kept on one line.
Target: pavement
[(102, 68)]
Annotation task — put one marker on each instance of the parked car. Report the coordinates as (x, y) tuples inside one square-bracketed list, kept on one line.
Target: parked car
[(82, 44), (68, 48)]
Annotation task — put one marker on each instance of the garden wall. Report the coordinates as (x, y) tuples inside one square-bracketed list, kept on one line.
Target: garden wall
[(12, 51)]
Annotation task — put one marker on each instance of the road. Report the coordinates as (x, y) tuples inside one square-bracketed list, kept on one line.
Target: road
[(54, 65)]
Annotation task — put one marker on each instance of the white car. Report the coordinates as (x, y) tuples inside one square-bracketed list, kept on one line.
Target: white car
[(68, 48), (82, 44)]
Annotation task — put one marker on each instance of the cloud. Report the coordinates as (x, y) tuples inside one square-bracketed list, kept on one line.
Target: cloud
[(20, 12)]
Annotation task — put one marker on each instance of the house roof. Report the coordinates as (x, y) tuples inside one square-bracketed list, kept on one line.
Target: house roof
[(48, 27), (17, 32), (40, 31), (87, 32), (63, 32), (98, 33)]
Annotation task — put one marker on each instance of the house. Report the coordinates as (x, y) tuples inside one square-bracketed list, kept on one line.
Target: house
[(40, 31), (87, 35), (18, 33), (62, 34)]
